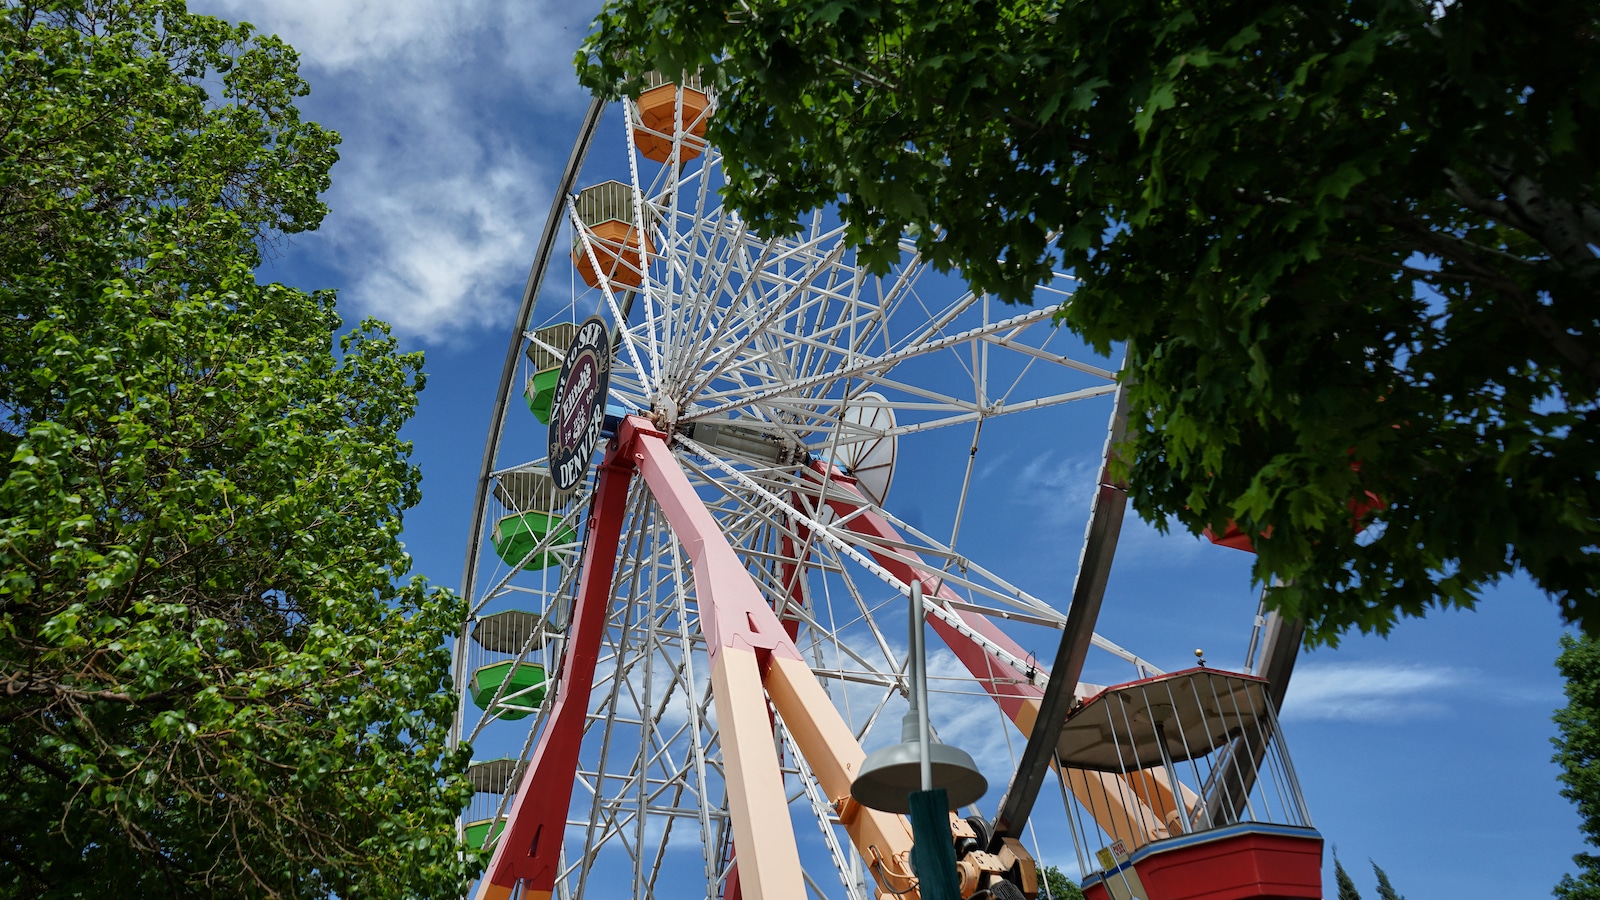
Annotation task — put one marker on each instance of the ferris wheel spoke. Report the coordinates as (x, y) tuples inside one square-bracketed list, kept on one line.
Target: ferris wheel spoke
[(821, 401), (722, 358), (737, 300), (696, 305), (1011, 343), (862, 368), (592, 254), (822, 346), (643, 225), (938, 321), (988, 642), (718, 263)]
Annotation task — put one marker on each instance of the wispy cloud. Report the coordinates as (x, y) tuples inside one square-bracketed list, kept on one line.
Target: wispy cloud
[(1370, 691), (451, 225), (448, 159), (354, 33), (1142, 545), (1058, 485)]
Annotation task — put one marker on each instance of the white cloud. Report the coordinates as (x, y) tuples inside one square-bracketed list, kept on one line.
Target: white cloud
[(1060, 486), (455, 118), (433, 235), (1142, 545), (1369, 691), (345, 34), (538, 42)]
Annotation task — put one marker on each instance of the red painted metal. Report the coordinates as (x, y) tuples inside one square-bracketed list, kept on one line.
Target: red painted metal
[(1242, 866), (1360, 506), (529, 849), (996, 676), (794, 577), (794, 582), (730, 886), (1232, 537)]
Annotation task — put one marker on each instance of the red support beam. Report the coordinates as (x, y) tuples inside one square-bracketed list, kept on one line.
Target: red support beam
[(996, 676), (530, 847)]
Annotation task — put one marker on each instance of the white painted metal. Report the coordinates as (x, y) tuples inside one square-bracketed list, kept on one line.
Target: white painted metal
[(789, 346)]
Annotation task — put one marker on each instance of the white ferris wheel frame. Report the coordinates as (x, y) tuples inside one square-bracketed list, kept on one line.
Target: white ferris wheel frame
[(775, 338)]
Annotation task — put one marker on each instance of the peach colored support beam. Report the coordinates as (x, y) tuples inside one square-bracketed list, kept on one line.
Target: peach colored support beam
[(828, 745), (1114, 805), (769, 864), (1153, 787)]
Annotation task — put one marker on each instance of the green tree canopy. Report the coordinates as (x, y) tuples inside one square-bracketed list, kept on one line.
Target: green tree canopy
[(211, 681), (1577, 743), (1346, 884), (1055, 885), (1351, 246), (1386, 890)]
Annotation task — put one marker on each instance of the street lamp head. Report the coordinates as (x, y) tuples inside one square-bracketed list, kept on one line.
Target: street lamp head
[(890, 774)]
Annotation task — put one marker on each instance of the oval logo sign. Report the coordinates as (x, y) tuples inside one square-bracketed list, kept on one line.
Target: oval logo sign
[(578, 413)]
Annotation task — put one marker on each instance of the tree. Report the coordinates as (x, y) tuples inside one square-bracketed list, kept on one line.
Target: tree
[(1056, 886), (1386, 890), (212, 682), (1347, 885), (1577, 744), (1350, 246)]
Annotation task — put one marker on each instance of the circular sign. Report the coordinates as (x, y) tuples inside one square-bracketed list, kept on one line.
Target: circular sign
[(578, 413)]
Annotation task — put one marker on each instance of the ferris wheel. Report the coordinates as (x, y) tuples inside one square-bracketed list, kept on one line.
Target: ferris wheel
[(684, 633)]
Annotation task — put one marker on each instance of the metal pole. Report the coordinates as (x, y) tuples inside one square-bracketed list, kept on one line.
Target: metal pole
[(1172, 778), (919, 682), (1088, 591)]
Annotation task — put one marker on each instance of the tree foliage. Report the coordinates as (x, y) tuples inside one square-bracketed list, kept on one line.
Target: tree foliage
[(1350, 246), (1386, 890), (1055, 885), (211, 681), (1577, 743), (1342, 879)]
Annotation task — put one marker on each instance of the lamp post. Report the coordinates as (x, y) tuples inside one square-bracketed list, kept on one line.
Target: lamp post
[(919, 684), (928, 781)]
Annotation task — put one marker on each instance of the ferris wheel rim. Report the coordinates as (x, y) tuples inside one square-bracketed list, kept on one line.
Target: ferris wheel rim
[(658, 372), (530, 296)]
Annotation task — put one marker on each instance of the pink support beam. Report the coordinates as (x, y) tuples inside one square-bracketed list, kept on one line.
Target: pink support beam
[(739, 617), (996, 676), (743, 637), (529, 849)]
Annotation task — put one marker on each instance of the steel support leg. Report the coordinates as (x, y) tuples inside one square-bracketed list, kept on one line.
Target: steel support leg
[(748, 646), (529, 849)]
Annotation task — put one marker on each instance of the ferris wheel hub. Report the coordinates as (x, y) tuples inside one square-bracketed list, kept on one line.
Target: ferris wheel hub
[(664, 412)]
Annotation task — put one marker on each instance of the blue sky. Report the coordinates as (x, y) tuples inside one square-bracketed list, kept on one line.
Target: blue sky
[(1427, 751)]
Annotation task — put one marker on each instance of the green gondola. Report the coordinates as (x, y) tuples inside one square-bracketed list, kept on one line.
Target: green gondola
[(528, 677), (541, 393), (478, 831), (515, 537)]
